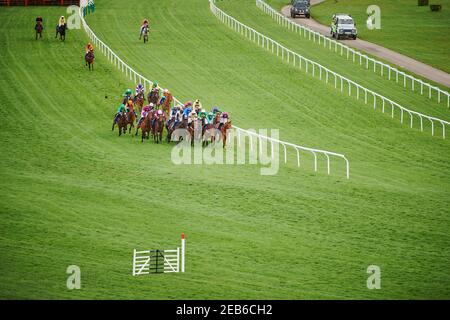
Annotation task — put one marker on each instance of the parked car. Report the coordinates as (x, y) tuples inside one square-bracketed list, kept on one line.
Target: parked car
[(300, 8), (343, 26)]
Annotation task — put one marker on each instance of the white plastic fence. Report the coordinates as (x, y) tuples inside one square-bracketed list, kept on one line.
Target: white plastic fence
[(138, 78), (142, 263), (378, 66), (325, 74), (117, 61), (315, 152)]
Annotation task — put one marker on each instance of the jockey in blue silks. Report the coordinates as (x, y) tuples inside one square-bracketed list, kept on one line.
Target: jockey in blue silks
[(186, 112), (162, 100)]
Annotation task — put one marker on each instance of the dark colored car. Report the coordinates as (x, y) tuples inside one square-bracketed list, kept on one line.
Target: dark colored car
[(300, 8)]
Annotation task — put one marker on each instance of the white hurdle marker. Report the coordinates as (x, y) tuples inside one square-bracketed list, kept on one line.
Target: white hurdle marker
[(159, 261)]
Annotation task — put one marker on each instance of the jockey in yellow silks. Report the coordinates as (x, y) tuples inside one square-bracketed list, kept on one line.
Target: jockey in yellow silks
[(197, 105), (62, 21), (89, 47)]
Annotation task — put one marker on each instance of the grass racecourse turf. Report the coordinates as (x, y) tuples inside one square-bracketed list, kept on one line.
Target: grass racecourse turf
[(414, 31), (72, 192)]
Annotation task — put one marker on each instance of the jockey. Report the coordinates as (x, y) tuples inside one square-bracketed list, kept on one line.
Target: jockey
[(215, 110), (197, 105), (130, 105), (62, 21), (144, 113), (39, 24), (127, 96), (89, 47), (119, 112), (186, 112), (210, 118), (143, 26), (173, 117), (202, 115), (224, 118), (192, 116), (158, 114), (139, 89)]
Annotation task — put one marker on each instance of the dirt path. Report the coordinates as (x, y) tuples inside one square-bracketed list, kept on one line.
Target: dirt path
[(403, 61)]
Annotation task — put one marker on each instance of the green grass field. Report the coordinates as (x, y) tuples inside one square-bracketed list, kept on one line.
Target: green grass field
[(414, 31), (72, 192), (245, 10)]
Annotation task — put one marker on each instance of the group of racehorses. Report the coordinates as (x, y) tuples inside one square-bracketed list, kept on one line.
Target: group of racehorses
[(158, 117)]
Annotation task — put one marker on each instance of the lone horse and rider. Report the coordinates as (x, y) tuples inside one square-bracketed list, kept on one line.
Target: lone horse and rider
[(89, 56), (39, 27), (61, 28), (145, 30)]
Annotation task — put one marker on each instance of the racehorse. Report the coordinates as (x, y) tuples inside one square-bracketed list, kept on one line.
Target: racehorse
[(209, 134), (139, 101), (167, 102), (89, 58), (145, 126), (61, 30), (145, 33), (153, 96), (183, 124), (121, 123), (216, 120), (158, 127), (131, 117), (223, 132), (39, 27)]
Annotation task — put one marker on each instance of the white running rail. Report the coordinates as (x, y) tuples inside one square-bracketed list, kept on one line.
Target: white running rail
[(297, 60), (298, 149), (138, 78), (333, 44)]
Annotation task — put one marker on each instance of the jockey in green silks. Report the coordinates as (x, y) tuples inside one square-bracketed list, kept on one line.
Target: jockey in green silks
[(210, 118), (127, 96), (121, 110)]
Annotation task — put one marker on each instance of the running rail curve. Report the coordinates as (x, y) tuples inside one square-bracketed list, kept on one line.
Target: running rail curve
[(292, 57), (138, 78), (286, 22)]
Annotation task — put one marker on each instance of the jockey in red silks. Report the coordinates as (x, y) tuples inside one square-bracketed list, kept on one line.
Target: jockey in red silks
[(144, 25), (144, 113)]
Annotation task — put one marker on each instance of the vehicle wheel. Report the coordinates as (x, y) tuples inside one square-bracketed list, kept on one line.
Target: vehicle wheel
[(354, 37), (308, 16), (337, 36)]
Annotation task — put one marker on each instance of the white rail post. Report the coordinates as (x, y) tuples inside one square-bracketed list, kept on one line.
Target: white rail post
[(183, 248), (134, 262)]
